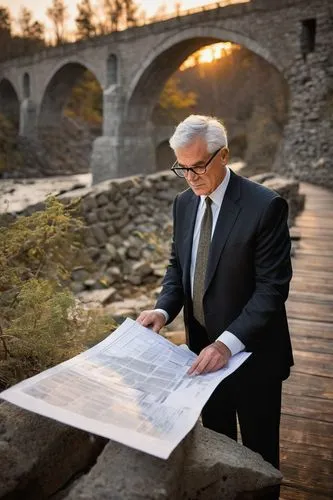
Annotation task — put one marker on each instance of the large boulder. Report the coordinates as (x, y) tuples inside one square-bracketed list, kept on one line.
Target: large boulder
[(205, 466), (39, 455)]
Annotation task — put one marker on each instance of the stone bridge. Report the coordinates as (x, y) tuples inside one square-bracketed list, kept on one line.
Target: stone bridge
[(132, 66)]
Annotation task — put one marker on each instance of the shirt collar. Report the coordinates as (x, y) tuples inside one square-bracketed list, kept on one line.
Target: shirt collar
[(218, 195)]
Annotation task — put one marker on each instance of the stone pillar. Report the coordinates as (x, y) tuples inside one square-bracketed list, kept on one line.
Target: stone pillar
[(28, 119), (105, 154), (127, 146), (138, 148)]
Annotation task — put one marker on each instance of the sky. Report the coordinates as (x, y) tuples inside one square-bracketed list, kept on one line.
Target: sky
[(38, 7)]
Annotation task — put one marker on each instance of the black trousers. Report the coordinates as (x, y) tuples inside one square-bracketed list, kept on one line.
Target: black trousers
[(256, 400)]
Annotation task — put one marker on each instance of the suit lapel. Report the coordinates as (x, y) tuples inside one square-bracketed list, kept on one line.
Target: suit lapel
[(226, 219), (190, 217)]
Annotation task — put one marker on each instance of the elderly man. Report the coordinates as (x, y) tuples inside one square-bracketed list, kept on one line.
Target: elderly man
[(230, 268)]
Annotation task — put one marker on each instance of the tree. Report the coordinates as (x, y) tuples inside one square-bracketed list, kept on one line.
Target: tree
[(5, 20), (174, 102), (5, 32), (85, 25), (130, 11), (58, 14), (29, 28), (85, 101), (113, 14)]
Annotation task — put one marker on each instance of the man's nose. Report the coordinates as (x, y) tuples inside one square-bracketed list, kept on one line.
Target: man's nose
[(191, 175)]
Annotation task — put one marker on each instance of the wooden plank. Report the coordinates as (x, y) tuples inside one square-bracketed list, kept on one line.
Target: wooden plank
[(290, 492), (308, 473), (314, 363), (310, 312), (322, 223), (311, 298), (313, 262), (324, 274), (306, 432), (303, 284), (308, 407), (314, 252), (317, 452), (318, 329), (313, 214), (312, 344), (304, 384), (313, 244)]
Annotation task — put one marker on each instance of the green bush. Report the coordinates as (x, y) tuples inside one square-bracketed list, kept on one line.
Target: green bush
[(41, 323)]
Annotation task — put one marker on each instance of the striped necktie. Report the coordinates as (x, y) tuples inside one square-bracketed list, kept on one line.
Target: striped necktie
[(201, 262)]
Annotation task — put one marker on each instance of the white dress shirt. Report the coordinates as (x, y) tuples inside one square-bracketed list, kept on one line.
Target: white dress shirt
[(228, 338)]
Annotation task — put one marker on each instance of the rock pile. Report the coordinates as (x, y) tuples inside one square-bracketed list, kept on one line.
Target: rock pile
[(128, 230), (41, 458)]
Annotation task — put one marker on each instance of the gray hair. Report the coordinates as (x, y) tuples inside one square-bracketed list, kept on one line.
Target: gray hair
[(195, 126)]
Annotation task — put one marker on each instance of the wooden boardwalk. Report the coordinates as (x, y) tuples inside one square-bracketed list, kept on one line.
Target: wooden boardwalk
[(307, 411), (307, 414)]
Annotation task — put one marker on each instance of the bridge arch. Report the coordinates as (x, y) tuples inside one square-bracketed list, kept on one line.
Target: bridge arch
[(152, 74), (58, 89), (9, 101)]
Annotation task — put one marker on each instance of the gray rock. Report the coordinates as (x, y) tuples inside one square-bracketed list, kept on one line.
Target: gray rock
[(89, 203), (141, 269), (39, 455), (100, 296), (80, 274), (111, 250), (134, 252), (91, 218), (99, 234), (121, 222), (204, 466), (102, 199), (217, 467)]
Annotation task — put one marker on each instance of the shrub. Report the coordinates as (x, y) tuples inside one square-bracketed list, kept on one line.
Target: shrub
[(41, 323)]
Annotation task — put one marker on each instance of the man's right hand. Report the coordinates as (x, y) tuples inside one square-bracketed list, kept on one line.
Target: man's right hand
[(152, 319)]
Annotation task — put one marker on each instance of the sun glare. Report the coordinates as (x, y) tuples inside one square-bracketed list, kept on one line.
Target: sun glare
[(207, 54)]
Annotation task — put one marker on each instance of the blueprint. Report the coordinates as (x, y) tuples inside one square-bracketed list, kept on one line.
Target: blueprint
[(132, 387)]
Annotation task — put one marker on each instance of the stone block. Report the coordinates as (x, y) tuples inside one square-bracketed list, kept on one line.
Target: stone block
[(204, 466), (99, 234), (218, 467), (100, 296), (102, 199), (39, 455), (144, 477)]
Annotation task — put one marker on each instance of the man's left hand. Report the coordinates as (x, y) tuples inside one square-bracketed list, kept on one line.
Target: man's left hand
[(212, 358)]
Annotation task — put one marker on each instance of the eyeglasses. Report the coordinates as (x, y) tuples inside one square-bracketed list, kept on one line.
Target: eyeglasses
[(199, 170)]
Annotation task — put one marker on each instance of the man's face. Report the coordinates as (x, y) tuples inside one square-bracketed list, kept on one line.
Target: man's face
[(196, 154)]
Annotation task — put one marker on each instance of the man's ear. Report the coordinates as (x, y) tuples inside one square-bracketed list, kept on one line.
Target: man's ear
[(225, 155)]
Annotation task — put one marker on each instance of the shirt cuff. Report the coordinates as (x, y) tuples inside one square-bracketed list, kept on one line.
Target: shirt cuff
[(165, 314), (232, 342)]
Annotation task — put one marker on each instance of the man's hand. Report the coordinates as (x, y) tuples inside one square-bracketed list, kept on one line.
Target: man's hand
[(212, 358), (152, 319)]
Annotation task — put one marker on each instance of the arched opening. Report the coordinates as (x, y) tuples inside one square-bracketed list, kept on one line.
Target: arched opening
[(70, 118), (26, 86), (112, 70), (9, 103), (240, 87), (10, 155), (164, 156)]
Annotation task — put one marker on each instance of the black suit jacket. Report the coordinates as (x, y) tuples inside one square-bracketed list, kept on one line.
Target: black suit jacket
[(248, 274)]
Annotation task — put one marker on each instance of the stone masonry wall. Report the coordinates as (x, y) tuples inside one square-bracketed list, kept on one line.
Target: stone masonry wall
[(129, 229)]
